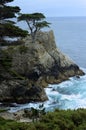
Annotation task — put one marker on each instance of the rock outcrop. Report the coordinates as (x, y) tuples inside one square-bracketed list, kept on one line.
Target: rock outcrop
[(34, 64), (18, 91)]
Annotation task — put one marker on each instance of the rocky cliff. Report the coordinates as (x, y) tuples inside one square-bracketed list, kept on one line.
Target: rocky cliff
[(27, 68)]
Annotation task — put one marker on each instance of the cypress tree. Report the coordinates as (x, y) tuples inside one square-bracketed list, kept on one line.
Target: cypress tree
[(7, 25), (35, 23)]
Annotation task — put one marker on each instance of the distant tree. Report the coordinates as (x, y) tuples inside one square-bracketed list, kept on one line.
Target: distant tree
[(7, 25), (35, 23)]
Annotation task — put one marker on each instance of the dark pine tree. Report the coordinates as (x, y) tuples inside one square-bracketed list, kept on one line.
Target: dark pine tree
[(7, 25), (35, 23)]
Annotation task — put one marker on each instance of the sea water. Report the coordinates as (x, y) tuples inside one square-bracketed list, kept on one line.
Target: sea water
[(70, 94), (70, 35)]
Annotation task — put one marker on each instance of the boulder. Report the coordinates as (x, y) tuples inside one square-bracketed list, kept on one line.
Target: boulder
[(18, 91)]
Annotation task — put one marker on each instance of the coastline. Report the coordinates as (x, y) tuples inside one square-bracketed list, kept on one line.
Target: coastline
[(32, 67)]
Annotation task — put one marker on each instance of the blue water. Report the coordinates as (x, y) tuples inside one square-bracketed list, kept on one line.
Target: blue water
[(70, 35), (69, 94)]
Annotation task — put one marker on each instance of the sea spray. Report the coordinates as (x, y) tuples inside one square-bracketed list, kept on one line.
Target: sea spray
[(70, 94)]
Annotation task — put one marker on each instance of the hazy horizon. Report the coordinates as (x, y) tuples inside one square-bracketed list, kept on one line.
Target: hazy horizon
[(55, 8)]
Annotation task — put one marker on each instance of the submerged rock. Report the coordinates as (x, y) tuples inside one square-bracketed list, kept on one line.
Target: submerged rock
[(40, 63)]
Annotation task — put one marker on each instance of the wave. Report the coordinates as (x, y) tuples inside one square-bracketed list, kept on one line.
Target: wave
[(70, 94)]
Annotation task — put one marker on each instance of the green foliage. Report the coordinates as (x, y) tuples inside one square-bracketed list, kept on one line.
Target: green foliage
[(82, 126), (35, 114), (11, 125), (66, 120), (35, 23), (5, 1), (8, 12), (41, 126), (3, 110), (6, 60), (14, 31), (57, 120), (7, 27), (42, 24), (31, 17)]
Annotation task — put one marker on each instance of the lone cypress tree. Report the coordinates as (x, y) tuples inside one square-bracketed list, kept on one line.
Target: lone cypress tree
[(7, 25), (35, 23)]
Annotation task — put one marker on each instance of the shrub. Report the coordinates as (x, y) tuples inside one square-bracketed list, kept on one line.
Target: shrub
[(6, 60), (57, 120)]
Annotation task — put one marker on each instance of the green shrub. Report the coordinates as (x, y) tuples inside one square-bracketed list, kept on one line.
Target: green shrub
[(3, 110), (57, 120), (6, 59), (82, 126)]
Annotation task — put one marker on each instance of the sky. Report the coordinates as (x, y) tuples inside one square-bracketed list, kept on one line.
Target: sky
[(52, 8)]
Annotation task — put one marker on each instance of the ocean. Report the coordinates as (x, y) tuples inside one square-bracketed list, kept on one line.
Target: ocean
[(70, 36)]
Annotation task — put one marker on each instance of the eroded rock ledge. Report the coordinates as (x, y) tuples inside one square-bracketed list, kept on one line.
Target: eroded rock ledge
[(34, 66)]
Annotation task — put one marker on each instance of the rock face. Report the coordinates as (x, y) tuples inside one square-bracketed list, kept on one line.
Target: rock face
[(19, 92), (35, 64)]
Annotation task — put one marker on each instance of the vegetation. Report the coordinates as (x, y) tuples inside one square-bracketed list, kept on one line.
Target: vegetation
[(35, 114), (7, 26), (57, 120), (35, 23), (6, 59), (3, 110)]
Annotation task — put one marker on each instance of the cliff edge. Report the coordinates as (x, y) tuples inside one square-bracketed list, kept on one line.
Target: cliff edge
[(31, 67)]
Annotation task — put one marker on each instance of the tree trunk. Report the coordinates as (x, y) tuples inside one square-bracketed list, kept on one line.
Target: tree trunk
[(33, 36)]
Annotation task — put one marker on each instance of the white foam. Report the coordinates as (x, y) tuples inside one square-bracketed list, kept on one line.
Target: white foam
[(69, 94)]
